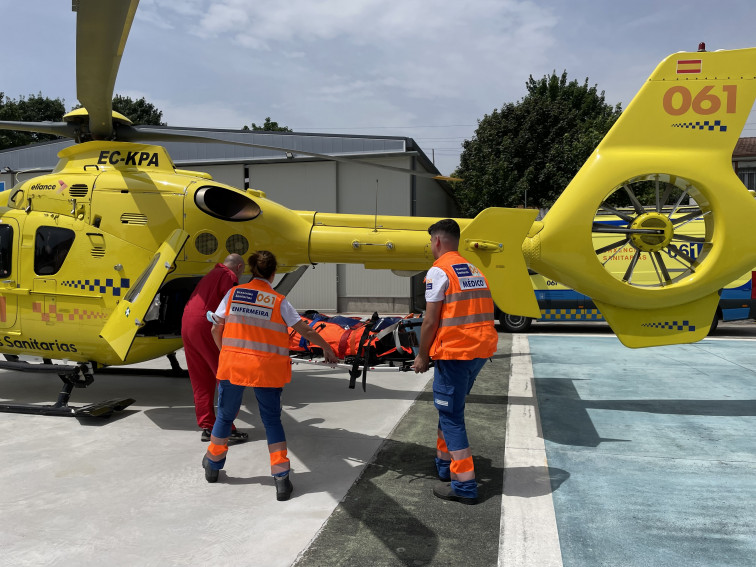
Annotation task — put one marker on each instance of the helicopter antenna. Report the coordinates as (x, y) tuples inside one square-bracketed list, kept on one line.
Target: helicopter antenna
[(375, 222)]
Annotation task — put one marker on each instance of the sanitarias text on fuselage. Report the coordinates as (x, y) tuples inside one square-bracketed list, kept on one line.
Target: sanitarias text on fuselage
[(26, 344)]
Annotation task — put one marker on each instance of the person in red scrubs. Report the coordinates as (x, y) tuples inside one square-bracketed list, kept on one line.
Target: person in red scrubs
[(200, 348)]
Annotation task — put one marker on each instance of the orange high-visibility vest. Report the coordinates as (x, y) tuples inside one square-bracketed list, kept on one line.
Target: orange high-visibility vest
[(466, 330), (255, 344)]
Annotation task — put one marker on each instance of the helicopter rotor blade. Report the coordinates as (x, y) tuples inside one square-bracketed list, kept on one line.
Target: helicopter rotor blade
[(63, 129), (162, 134), (101, 32)]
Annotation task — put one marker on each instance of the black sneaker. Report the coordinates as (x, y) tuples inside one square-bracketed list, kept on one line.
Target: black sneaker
[(238, 436), (235, 437), (284, 488), (211, 474), (446, 492)]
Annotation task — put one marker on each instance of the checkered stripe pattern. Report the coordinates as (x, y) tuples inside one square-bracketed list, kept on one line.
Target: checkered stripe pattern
[(571, 315), (81, 314), (716, 125), (78, 314), (671, 325), (104, 286), (50, 314)]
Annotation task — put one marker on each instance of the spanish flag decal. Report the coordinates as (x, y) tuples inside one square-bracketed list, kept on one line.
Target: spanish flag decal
[(685, 66)]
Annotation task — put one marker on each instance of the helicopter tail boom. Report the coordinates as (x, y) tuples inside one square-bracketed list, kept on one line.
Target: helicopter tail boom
[(492, 241)]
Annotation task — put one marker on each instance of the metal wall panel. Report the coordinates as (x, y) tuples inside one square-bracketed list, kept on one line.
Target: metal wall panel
[(316, 289), (303, 186), (358, 185), (432, 200), (229, 174), (308, 186), (361, 282)]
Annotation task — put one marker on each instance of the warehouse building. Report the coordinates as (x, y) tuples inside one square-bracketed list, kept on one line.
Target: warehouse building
[(744, 161), (305, 183)]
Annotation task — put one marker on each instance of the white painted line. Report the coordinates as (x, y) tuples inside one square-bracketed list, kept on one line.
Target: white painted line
[(528, 536)]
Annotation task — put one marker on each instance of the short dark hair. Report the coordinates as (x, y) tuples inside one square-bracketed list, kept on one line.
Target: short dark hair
[(447, 226)]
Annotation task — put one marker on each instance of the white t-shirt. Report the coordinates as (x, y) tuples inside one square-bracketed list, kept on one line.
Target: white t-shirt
[(436, 283), (289, 314)]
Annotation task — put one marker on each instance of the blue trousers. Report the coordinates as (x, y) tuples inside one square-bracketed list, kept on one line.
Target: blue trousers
[(452, 382), (230, 400)]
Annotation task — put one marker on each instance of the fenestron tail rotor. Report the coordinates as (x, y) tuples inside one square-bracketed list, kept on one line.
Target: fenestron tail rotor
[(644, 232)]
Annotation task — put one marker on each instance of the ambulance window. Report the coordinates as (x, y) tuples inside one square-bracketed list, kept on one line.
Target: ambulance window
[(6, 250), (51, 247)]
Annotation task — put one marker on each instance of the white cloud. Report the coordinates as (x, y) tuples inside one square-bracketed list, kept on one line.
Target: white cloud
[(357, 66)]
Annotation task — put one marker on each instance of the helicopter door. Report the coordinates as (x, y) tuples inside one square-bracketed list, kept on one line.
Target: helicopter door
[(128, 316), (8, 273)]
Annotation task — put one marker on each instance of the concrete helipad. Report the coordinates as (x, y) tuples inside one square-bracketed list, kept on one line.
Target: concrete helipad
[(130, 490), (588, 453)]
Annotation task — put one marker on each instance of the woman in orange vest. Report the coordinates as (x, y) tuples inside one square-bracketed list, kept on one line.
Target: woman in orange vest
[(458, 333), (251, 330)]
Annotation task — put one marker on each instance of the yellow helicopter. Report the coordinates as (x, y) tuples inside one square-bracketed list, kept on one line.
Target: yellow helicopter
[(86, 250)]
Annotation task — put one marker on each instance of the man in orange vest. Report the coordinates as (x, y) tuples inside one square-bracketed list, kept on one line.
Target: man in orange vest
[(458, 333)]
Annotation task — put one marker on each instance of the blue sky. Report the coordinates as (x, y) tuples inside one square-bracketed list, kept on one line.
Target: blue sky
[(427, 69)]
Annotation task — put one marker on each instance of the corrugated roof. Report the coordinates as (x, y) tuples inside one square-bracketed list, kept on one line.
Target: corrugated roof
[(184, 153), (746, 147)]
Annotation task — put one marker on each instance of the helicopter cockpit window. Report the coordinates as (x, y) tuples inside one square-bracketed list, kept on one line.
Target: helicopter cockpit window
[(51, 247), (6, 250)]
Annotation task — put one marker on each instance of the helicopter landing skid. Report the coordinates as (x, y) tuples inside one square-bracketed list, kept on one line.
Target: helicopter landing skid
[(79, 376)]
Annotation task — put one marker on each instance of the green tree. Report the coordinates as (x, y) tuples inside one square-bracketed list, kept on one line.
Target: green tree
[(526, 153), (269, 126), (34, 108), (138, 111)]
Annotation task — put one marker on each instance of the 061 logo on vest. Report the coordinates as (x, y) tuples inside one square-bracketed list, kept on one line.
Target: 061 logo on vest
[(469, 277), (252, 303)]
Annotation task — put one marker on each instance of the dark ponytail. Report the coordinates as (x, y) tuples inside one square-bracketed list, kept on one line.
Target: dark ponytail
[(262, 264)]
